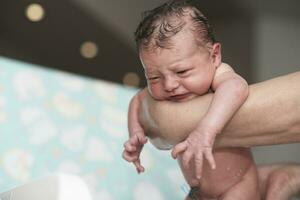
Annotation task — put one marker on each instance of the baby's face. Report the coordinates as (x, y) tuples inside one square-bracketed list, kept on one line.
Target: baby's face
[(181, 72)]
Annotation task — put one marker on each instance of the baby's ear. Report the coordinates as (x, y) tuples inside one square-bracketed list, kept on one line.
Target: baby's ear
[(216, 54)]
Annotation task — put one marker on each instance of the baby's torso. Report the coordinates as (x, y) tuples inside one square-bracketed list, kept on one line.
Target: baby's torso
[(232, 165)]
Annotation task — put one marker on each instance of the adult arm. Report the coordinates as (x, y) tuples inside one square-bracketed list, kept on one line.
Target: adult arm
[(270, 115)]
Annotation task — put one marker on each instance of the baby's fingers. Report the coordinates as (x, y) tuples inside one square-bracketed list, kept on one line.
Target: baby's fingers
[(129, 147), (186, 158), (141, 138), (128, 156), (210, 158), (138, 166), (179, 148), (198, 165)]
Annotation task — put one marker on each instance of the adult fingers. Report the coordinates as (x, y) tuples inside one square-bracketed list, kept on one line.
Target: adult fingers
[(178, 149)]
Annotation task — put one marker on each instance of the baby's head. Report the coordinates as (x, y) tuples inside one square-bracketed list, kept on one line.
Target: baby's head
[(178, 50)]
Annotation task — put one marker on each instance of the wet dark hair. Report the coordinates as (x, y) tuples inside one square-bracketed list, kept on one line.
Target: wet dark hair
[(163, 22)]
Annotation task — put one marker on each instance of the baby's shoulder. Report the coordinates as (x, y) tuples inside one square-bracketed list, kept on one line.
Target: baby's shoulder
[(223, 68)]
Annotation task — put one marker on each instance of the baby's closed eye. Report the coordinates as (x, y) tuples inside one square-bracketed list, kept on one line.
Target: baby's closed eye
[(183, 72), (153, 79)]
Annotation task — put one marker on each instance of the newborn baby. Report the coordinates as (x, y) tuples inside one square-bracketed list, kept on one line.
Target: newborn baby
[(182, 60)]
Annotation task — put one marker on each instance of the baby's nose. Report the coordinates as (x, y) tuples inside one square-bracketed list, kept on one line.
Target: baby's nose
[(171, 84)]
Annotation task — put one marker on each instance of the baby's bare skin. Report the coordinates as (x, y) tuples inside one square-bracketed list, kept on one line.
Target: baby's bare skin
[(235, 173), (246, 128), (182, 60)]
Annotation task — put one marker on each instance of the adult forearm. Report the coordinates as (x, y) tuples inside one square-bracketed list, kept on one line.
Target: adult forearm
[(271, 115)]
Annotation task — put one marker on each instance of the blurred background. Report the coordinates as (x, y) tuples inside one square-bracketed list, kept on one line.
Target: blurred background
[(93, 40), (95, 37)]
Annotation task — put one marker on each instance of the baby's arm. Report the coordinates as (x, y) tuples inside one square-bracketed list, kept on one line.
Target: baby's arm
[(231, 91), (137, 138)]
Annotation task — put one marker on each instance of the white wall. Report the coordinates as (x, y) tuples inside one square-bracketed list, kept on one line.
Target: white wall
[(277, 45), (276, 52), (121, 16)]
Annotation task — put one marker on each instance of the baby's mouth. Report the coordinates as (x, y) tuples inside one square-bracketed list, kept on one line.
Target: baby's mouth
[(179, 97)]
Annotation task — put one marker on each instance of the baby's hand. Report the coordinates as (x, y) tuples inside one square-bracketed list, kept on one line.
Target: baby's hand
[(133, 148), (197, 146)]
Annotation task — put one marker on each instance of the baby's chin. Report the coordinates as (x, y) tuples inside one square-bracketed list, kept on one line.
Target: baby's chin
[(190, 97), (183, 98)]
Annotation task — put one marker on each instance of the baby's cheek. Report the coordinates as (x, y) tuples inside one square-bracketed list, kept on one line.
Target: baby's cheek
[(155, 91), (201, 85)]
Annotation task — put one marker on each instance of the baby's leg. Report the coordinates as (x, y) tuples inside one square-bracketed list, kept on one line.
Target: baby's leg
[(279, 182), (247, 189)]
